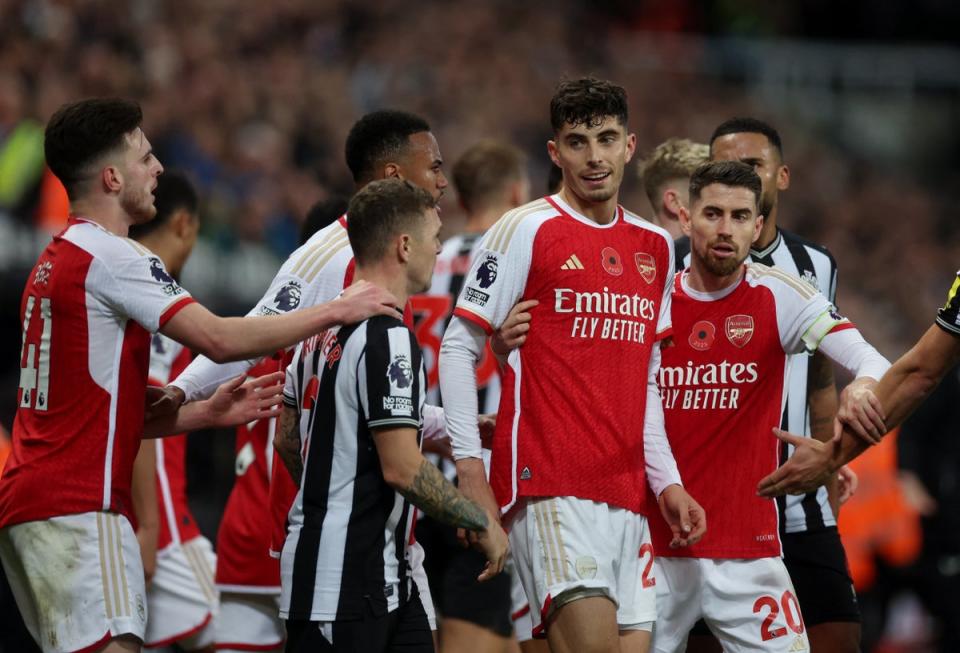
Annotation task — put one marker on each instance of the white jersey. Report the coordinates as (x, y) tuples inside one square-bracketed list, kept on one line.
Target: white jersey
[(314, 273)]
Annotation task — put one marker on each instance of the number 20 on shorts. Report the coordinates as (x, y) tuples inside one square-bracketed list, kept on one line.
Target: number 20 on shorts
[(791, 612)]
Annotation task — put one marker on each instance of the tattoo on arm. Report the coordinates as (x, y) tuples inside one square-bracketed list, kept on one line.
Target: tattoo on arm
[(822, 396), (287, 443), (435, 495)]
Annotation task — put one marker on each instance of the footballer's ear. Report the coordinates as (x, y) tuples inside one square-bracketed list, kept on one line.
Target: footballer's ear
[(783, 177), (554, 153), (111, 178), (757, 228), (686, 222), (392, 171)]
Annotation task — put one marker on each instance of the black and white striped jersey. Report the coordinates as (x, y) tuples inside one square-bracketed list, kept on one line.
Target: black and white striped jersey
[(948, 317), (349, 532), (814, 264)]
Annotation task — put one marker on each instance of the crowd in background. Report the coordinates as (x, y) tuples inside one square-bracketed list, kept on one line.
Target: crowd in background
[(254, 100)]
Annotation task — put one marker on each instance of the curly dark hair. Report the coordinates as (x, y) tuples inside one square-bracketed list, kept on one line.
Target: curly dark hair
[(587, 101), (377, 137)]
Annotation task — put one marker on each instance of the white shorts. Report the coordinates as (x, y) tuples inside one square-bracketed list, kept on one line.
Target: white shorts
[(420, 578), (565, 543), (182, 598), (750, 605), (249, 622), (77, 579), (519, 605)]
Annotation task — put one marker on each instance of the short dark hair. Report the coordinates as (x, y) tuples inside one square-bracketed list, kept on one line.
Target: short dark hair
[(322, 214), (174, 192), (486, 169), (379, 136), (748, 126), (382, 210), (587, 101), (728, 173), (81, 132)]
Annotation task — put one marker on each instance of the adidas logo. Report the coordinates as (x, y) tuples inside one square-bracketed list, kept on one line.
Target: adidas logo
[(798, 645), (573, 263), (525, 475)]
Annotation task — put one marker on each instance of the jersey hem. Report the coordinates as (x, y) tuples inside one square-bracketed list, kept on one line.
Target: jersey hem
[(187, 633), (248, 589), (173, 309), (472, 317)]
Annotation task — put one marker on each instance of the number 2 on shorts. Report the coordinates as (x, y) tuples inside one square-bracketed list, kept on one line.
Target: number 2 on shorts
[(791, 612)]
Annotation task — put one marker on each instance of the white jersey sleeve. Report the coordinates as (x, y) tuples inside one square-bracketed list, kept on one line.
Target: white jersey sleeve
[(313, 274), (804, 315), (661, 466), (135, 282), (500, 268)]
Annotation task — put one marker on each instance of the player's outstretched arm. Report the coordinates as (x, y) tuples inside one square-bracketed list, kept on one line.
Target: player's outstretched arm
[(406, 470), (901, 389), (236, 402), (225, 339), (286, 442)]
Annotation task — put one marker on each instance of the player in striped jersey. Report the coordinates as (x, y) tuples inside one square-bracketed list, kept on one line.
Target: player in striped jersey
[(380, 145), (490, 178), (812, 549), (905, 385), (665, 175), (350, 434)]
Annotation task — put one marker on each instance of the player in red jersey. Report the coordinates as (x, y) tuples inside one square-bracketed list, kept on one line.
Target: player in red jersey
[(579, 432), (181, 596), (723, 387), (89, 307)]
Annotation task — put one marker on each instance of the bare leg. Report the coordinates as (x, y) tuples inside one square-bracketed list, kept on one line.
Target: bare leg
[(587, 625)]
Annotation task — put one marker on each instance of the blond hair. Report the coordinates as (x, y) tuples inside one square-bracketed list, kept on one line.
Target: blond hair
[(675, 158)]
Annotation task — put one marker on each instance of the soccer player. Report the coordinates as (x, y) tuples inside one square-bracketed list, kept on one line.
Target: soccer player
[(89, 307), (906, 384), (812, 548), (665, 175), (723, 386), (490, 179), (380, 145), (181, 597), (579, 433), (350, 434)]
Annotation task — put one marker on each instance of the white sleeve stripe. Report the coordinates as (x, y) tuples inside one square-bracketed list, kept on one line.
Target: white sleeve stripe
[(140, 249), (502, 232), (805, 291), (311, 255), (322, 263)]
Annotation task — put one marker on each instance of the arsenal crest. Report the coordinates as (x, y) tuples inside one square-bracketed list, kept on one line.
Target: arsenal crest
[(702, 335), (611, 262), (646, 265), (739, 329)]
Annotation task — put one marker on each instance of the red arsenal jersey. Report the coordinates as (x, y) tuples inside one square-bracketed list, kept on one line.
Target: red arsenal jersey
[(573, 400), (177, 524), (88, 309), (722, 387), (243, 540)]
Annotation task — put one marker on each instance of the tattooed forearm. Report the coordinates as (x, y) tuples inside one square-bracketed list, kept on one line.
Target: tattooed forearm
[(287, 443), (435, 495), (822, 397)]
